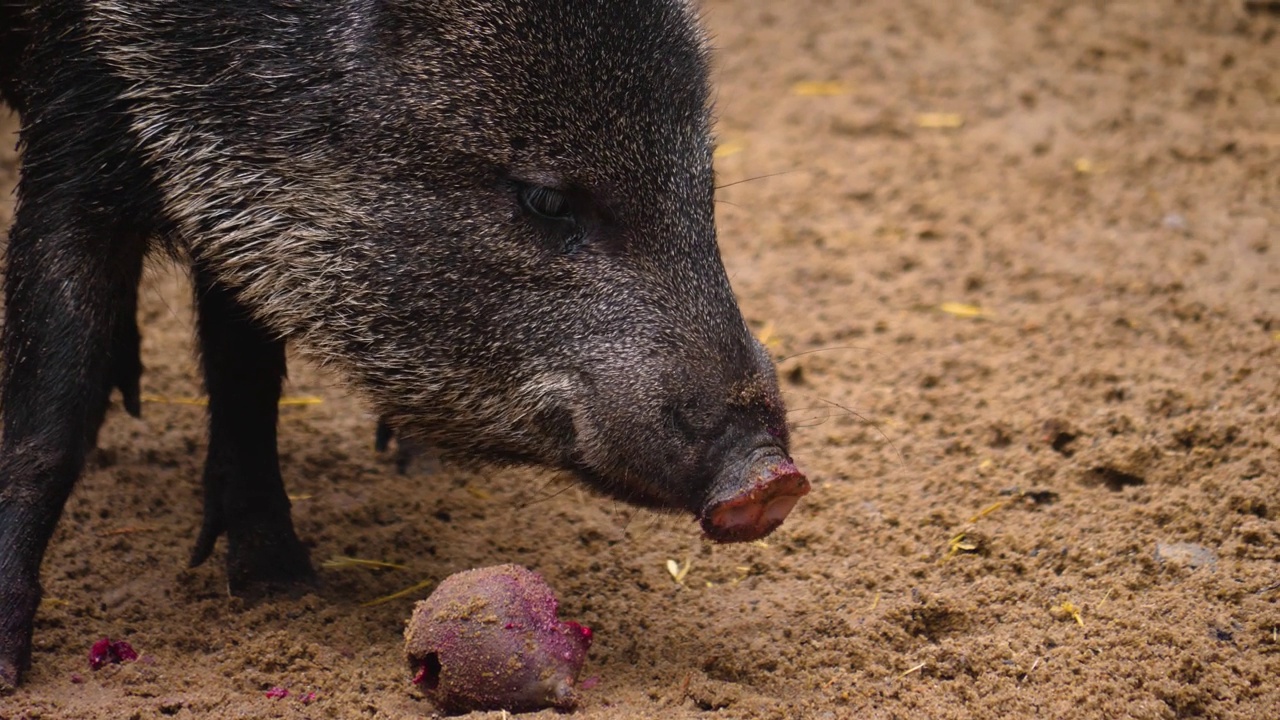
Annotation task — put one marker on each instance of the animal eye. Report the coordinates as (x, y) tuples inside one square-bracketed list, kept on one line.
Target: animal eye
[(546, 203)]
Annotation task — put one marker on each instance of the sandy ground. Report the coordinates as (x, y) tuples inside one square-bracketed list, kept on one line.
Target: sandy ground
[(1022, 267)]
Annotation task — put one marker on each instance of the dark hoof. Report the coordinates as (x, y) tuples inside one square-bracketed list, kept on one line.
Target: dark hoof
[(261, 563), (131, 397), (15, 637), (9, 676)]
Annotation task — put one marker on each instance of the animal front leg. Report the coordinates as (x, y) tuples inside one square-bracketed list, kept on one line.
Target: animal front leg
[(64, 281), (244, 495)]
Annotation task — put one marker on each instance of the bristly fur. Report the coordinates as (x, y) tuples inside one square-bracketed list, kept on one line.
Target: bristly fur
[(353, 177), (347, 168)]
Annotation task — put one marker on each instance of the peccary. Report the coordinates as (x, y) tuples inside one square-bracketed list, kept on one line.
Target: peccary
[(493, 217)]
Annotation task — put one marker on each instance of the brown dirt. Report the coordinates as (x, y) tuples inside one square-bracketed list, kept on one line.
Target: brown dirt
[(1109, 202)]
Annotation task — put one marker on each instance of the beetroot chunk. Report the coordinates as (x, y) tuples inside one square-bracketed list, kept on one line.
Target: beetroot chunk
[(489, 639), (106, 652)]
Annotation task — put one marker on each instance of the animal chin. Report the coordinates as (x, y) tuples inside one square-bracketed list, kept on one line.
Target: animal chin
[(631, 491), (646, 498)]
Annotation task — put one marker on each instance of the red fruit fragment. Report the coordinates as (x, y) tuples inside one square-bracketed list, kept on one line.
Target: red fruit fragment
[(489, 639), (277, 693), (100, 654), (307, 698), (124, 651), (106, 652)]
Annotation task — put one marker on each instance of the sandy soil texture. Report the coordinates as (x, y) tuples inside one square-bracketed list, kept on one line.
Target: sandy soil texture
[(1020, 262)]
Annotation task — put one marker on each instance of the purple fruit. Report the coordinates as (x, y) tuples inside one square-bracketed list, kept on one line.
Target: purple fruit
[(489, 639)]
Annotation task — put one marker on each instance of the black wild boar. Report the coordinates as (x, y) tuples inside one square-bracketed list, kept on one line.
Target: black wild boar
[(494, 217)]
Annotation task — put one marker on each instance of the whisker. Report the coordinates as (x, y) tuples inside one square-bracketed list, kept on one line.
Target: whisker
[(567, 486), (810, 422), (833, 347), (651, 522), (627, 518), (865, 419), (750, 179), (806, 409)]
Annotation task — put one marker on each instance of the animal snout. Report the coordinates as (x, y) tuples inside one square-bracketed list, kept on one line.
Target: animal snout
[(751, 498)]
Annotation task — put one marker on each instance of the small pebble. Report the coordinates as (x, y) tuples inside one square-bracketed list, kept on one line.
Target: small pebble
[(1188, 555), (1174, 221)]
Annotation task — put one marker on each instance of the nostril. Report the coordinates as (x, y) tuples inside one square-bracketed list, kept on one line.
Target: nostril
[(778, 509)]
